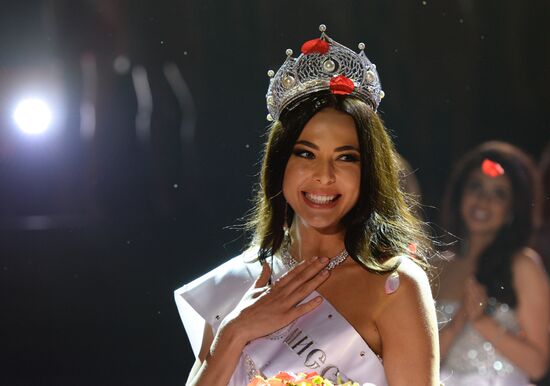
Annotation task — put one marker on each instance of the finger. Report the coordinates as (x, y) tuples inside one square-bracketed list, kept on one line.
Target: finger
[(481, 291), (470, 284), (264, 277), (299, 278), (472, 290), (475, 286), (304, 308), (478, 291), (255, 292), (296, 271), (303, 291)]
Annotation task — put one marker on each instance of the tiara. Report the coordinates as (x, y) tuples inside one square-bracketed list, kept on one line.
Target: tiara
[(323, 65)]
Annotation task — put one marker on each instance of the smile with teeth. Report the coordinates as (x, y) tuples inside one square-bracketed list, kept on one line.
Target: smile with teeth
[(321, 199), (480, 215)]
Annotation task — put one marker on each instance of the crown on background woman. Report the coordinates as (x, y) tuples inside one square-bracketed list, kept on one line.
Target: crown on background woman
[(323, 65)]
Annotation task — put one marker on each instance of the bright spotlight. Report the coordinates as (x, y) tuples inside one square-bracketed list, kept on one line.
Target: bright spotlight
[(33, 116)]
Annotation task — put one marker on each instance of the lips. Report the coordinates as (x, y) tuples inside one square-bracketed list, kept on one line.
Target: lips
[(479, 214), (320, 200)]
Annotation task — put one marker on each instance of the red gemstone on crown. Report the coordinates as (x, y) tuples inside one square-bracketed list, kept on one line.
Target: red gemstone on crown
[(318, 46), (341, 85)]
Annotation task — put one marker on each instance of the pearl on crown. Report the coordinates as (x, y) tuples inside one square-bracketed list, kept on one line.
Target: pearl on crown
[(288, 81), (329, 65), (370, 76)]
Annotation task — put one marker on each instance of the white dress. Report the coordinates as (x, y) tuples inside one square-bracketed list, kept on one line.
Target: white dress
[(321, 341), (472, 360)]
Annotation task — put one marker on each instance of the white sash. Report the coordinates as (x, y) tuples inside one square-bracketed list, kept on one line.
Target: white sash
[(321, 341)]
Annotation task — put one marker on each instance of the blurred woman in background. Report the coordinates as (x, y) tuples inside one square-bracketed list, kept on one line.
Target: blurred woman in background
[(542, 239), (493, 291)]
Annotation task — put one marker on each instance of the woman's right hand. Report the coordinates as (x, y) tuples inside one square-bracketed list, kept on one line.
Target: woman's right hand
[(475, 299), (266, 308)]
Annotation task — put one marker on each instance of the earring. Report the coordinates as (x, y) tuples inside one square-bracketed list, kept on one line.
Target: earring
[(286, 226)]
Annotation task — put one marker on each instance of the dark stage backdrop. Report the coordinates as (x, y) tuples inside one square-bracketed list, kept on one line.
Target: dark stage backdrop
[(155, 154)]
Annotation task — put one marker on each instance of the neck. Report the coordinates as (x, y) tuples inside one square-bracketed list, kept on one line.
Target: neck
[(477, 243), (308, 242)]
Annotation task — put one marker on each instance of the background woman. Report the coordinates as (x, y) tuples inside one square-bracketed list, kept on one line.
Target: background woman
[(336, 292), (541, 242), (493, 289)]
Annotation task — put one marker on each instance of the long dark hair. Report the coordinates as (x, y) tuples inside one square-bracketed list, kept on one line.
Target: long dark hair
[(544, 167), (541, 243), (380, 225), (494, 268)]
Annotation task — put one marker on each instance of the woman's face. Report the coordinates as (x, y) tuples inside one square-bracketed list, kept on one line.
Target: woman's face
[(486, 203), (323, 174)]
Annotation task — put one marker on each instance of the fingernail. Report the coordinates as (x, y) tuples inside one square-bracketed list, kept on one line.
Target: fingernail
[(324, 272), (323, 260), (314, 258)]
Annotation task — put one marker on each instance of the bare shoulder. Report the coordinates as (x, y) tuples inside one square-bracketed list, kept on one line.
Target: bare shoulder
[(413, 277), (408, 285), (528, 268), (527, 259), (408, 328)]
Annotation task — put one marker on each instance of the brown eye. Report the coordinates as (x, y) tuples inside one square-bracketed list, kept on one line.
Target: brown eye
[(302, 153), (502, 194), (349, 158), (473, 187)]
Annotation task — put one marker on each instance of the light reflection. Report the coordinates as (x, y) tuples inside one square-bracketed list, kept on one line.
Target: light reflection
[(32, 116)]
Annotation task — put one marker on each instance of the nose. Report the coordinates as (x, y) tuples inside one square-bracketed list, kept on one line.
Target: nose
[(324, 173), (483, 196)]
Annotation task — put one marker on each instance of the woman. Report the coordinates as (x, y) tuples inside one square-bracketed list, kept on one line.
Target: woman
[(493, 289), (542, 239), (326, 284), (541, 242)]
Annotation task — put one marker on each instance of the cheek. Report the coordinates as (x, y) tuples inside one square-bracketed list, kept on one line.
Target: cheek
[(292, 178), (352, 179), (503, 209), (464, 203)]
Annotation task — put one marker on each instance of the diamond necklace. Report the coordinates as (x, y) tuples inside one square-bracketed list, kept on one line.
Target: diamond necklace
[(290, 262)]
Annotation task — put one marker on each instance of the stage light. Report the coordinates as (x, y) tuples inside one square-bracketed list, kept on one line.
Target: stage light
[(32, 116)]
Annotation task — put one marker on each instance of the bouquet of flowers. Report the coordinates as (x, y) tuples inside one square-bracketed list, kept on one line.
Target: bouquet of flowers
[(300, 379)]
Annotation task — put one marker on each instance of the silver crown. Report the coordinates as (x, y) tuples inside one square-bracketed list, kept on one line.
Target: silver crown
[(313, 72)]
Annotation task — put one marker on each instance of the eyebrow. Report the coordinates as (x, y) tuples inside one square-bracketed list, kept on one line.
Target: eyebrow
[(340, 148), (478, 179)]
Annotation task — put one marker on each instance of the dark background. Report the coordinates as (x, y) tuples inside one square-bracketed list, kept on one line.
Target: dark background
[(97, 230)]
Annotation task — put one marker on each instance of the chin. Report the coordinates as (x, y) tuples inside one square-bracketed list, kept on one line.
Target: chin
[(483, 230), (323, 226)]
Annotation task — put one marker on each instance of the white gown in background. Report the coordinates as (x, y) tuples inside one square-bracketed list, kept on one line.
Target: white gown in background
[(472, 360), (321, 341)]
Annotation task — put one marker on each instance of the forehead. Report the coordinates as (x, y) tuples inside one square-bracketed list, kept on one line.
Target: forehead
[(502, 181), (330, 125)]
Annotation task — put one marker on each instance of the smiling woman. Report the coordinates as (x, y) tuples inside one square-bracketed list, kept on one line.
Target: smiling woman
[(324, 171), (494, 293), (486, 202), (326, 283)]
